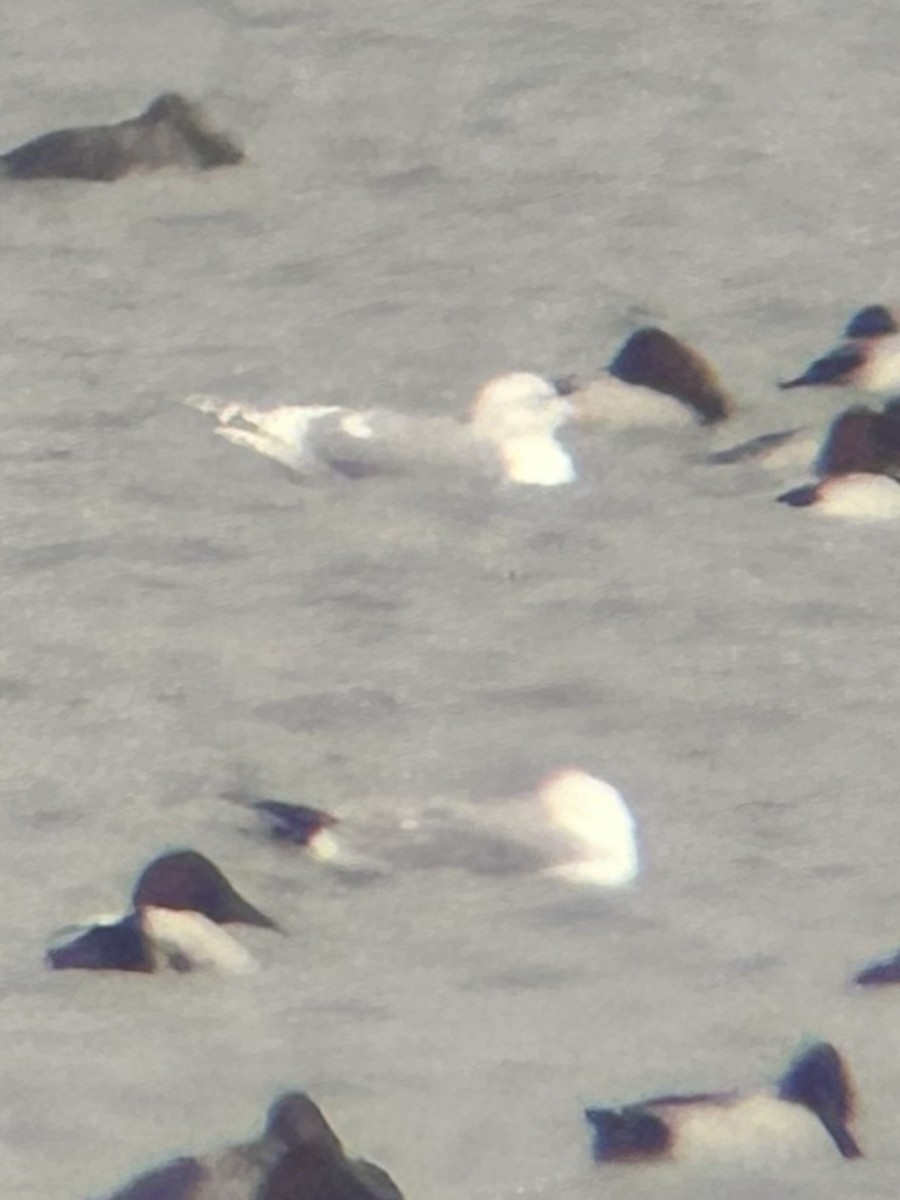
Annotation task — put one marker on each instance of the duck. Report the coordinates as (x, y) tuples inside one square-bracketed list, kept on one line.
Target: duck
[(654, 380), (315, 1166), (785, 450), (867, 358), (877, 974), (178, 905), (858, 466), (808, 1112), (854, 497), (858, 438), (298, 825), (171, 131), (297, 1157), (510, 432)]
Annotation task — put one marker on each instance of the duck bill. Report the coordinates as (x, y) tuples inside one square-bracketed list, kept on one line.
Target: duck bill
[(841, 1136)]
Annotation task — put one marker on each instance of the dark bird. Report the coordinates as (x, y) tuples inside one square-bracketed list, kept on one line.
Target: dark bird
[(295, 823), (170, 132), (315, 1166), (655, 359), (654, 380), (876, 974), (298, 1155), (186, 879)]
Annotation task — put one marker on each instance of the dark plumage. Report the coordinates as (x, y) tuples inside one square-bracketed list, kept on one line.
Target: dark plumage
[(174, 899), (180, 1179), (298, 1157), (819, 1080), (877, 974), (800, 497), (170, 132), (119, 947), (315, 1166), (297, 823), (628, 1134), (836, 368), (875, 320), (188, 880), (654, 359), (859, 441)]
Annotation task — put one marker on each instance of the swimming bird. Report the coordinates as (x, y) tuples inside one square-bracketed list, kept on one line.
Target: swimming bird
[(811, 1103), (654, 380), (148, 940), (876, 974), (859, 497), (171, 131), (858, 467), (571, 826), (179, 902), (592, 835), (299, 824), (510, 432), (298, 1157), (315, 1166), (862, 439), (858, 439), (185, 879), (868, 358)]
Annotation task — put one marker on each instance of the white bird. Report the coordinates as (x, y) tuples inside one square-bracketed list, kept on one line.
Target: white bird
[(511, 432), (592, 824), (571, 826)]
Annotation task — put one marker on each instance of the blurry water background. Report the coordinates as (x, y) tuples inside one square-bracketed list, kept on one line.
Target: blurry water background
[(435, 193)]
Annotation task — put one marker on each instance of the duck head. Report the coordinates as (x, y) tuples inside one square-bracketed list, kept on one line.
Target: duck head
[(655, 359), (188, 880)]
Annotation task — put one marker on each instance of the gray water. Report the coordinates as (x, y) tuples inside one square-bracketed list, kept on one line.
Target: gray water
[(435, 193)]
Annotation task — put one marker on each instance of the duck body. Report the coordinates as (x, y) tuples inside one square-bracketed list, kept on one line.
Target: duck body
[(170, 132), (298, 824), (179, 903), (858, 465), (853, 497), (807, 1114), (148, 941)]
